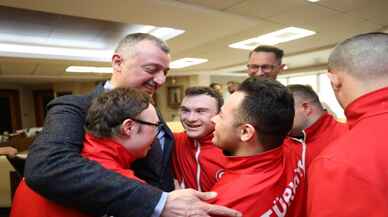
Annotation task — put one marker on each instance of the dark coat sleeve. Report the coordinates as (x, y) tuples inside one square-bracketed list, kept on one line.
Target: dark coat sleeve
[(56, 170)]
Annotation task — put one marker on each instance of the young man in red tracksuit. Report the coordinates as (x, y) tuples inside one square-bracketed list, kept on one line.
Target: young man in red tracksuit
[(264, 173), (121, 126), (197, 162), (349, 178), (313, 122)]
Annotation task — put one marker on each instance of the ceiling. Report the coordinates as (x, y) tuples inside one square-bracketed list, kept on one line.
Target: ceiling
[(210, 26)]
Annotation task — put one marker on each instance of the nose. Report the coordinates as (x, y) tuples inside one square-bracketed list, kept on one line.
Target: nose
[(160, 78), (192, 117), (260, 72)]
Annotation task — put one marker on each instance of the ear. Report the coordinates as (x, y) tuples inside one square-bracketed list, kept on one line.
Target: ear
[(307, 108), (127, 127), (283, 67), (335, 80), (247, 132), (117, 61)]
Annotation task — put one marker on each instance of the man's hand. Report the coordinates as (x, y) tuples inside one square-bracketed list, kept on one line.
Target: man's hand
[(177, 185), (9, 151), (190, 203)]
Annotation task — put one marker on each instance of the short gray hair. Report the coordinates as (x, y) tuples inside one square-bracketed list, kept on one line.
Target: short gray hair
[(305, 92), (127, 43), (363, 56)]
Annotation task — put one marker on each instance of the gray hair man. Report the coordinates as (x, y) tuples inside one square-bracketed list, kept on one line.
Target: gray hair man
[(56, 170)]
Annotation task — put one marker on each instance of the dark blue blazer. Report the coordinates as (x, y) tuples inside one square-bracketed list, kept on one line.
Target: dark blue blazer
[(56, 170)]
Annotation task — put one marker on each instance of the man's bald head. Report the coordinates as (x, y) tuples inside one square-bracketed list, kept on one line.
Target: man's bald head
[(363, 57)]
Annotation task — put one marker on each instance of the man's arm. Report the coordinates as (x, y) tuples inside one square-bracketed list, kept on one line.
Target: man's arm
[(55, 169)]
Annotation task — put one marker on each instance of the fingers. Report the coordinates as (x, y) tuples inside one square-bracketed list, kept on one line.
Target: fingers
[(177, 185), (197, 213), (205, 195), (222, 211), (215, 209)]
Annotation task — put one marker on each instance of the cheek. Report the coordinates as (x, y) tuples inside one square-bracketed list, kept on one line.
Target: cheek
[(206, 120), (183, 116)]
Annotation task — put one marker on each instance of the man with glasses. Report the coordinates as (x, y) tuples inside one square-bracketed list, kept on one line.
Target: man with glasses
[(121, 126), (264, 172), (312, 122), (265, 61), (198, 163), (56, 170)]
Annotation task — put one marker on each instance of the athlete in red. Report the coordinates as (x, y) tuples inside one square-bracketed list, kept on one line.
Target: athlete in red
[(349, 178), (320, 128), (114, 149), (264, 174), (197, 162)]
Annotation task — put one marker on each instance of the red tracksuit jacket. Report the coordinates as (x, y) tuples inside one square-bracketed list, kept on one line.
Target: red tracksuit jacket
[(350, 177), (267, 184), (198, 164), (107, 152), (324, 131)]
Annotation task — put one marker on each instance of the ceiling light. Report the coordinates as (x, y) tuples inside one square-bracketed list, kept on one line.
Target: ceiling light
[(31, 46), (186, 62), (89, 69), (54, 52), (164, 33), (50, 41), (313, 0), (273, 38)]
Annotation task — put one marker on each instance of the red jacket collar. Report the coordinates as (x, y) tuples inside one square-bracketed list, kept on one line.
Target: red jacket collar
[(316, 128), (107, 148), (207, 140), (204, 141), (262, 162), (370, 104)]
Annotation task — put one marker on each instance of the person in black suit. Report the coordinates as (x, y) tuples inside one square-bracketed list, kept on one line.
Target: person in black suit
[(56, 170)]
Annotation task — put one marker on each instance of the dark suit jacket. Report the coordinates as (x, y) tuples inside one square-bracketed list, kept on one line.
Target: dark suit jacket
[(55, 168)]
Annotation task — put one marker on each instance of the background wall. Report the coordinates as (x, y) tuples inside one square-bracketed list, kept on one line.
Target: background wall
[(27, 98)]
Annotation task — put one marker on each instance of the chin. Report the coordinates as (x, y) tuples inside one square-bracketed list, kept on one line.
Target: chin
[(193, 135)]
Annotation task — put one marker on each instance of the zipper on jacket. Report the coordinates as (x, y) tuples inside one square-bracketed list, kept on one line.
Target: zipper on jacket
[(198, 175)]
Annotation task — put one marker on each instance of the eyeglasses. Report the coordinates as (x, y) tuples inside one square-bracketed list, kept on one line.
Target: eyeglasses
[(264, 67), (158, 125), (146, 122)]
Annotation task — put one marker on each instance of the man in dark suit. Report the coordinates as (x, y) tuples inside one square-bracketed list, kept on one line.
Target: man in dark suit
[(56, 170)]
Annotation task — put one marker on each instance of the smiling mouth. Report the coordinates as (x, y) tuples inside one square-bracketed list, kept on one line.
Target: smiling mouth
[(192, 127)]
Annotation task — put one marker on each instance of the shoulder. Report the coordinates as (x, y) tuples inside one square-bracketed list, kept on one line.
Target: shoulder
[(80, 102), (294, 145), (180, 137), (181, 142)]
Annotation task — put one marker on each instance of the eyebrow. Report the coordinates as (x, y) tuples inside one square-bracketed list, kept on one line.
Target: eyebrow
[(198, 108), (157, 65)]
